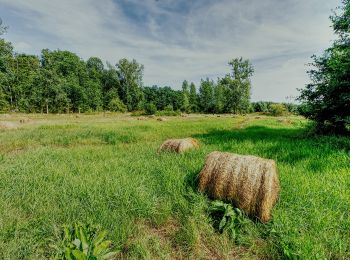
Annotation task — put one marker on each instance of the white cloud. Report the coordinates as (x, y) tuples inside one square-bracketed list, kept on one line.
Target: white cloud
[(176, 43)]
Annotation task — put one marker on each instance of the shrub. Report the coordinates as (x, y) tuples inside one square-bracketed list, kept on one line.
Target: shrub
[(292, 108), (278, 109), (116, 105), (169, 108), (261, 106), (150, 109)]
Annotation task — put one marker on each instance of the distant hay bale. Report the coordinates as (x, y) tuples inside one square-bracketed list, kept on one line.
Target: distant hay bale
[(179, 145), (24, 120), (142, 118), (284, 121), (161, 119), (8, 125), (251, 183)]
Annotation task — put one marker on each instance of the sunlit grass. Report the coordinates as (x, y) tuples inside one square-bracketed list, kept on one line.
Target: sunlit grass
[(105, 170)]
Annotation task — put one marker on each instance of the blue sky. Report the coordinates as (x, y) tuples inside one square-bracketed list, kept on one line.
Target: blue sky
[(182, 39)]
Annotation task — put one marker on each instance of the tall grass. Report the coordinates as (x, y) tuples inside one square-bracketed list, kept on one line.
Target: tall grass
[(106, 171)]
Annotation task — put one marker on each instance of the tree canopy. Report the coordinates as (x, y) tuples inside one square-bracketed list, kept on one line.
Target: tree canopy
[(59, 81), (327, 99)]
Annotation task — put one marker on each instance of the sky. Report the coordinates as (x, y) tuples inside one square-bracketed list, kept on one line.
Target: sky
[(182, 39)]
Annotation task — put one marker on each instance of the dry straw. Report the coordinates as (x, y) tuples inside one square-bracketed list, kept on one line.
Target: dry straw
[(179, 145), (249, 182)]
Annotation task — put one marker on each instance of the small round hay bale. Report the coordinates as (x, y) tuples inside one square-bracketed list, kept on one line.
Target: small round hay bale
[(179, 145), (24, 120), (161, 119), (251, 183)]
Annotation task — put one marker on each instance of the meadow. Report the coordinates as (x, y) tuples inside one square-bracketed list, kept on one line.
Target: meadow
[(104, 169)]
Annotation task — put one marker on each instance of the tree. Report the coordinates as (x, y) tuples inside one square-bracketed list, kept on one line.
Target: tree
[(238, 86), (6, 72), (110, 85), (2, 27), (193, 98), (130, 75), (185, 106), (327, 99), (219, 98), (206, 96)]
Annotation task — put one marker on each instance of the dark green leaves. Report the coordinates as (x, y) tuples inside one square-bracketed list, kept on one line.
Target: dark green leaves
[(85, 242), (226, 218)]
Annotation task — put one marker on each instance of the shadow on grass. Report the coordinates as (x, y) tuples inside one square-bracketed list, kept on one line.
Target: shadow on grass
[(285, 145)]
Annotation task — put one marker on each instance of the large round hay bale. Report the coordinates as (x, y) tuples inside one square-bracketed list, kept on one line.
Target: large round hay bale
[(251, 183), (179, 145)]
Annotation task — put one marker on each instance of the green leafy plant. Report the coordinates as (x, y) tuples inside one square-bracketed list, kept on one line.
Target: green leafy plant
[(278, 109), (226, 218), (85, 242)]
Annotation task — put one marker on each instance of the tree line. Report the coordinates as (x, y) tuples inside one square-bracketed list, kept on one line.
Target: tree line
[(61, 82)]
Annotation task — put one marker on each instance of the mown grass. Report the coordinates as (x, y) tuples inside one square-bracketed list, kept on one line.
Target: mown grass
[(105, 170)]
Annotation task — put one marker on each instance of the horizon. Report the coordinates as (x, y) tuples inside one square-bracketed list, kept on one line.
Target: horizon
[(182, 40)]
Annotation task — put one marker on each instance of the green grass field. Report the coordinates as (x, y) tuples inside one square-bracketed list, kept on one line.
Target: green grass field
[(105, 170)]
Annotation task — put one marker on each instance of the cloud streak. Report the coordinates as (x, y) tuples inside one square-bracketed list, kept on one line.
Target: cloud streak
[(183, 39)]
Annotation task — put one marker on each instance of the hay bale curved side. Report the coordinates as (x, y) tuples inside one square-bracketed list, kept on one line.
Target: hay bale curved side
[(249, 182), (179, 145)]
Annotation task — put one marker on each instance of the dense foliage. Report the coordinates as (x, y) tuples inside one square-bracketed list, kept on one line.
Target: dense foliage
[(327, 98), (61, 82)]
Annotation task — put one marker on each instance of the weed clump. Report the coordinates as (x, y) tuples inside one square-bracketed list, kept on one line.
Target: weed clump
[(84, 242), (250, 183)]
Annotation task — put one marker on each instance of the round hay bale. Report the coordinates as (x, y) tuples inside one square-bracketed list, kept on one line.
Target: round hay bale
[(24, 120), (179, 145), (161, 119), (251, 183)]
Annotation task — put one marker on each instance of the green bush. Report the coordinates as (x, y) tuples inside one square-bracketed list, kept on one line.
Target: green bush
[(278, 109), (150, 109), (116, 105), (169, 108)]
